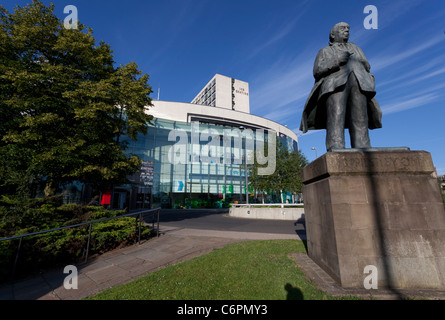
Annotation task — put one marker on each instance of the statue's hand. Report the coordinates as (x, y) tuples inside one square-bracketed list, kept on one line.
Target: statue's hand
[(344, 57)]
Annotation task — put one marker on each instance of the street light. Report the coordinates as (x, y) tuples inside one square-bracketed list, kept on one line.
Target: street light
[(245, 167), (313, 148)]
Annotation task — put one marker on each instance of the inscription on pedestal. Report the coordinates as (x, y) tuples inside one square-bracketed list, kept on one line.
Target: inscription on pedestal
[(381, 163), (337, 163)]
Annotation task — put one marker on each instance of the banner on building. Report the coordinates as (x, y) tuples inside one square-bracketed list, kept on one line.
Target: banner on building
[(146, 174)]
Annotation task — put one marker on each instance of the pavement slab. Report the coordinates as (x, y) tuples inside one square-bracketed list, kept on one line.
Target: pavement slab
[(174, 245), (126, 264)]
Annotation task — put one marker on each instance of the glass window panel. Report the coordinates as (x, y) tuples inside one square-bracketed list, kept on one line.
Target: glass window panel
[(213, 188), (183, 126), (165, 124), (179, 169), (205, 168)]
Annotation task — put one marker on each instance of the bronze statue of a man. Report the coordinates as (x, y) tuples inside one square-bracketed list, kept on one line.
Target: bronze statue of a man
[(343, 93)]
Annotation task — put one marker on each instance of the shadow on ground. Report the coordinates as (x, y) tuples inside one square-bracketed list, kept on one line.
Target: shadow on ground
[(293, 293), (170, 215), (300, 229)]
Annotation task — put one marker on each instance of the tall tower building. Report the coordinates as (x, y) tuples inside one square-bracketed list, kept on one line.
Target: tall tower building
[(225, 92)]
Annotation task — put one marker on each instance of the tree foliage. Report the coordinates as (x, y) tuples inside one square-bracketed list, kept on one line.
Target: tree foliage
[(64, 104), (287, 175)]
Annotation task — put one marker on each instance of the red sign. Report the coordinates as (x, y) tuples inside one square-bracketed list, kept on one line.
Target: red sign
[(106, 198)]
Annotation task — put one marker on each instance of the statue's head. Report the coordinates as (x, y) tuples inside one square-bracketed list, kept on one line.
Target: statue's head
[(339, 33)]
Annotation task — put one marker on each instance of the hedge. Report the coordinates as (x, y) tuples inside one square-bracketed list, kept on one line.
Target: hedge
[(60, 247)]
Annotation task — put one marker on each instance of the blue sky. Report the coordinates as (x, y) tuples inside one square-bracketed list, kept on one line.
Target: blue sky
[(272, 44)]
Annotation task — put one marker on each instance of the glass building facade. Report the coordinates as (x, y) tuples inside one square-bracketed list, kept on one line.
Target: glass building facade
[(188, 167)]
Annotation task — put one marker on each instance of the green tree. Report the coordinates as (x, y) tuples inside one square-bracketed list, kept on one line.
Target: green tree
[(64, 105), (287, 175)]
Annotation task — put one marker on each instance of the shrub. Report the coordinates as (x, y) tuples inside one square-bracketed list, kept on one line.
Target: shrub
[(61, 246)]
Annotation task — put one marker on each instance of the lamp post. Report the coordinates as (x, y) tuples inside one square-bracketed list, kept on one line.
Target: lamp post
[(245, 173), (245, 168), (313, 148)]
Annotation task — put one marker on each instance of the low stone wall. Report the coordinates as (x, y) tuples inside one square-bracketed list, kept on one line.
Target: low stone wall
[(262, 212)]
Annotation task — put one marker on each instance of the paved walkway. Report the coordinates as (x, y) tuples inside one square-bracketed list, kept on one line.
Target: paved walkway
[(174, 245), (123, 265)]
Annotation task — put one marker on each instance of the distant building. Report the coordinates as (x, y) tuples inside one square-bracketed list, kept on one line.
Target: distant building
[(225, 92), (221, 106)]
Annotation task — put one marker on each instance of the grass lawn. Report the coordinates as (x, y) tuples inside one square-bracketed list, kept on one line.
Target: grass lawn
[(254, 270)]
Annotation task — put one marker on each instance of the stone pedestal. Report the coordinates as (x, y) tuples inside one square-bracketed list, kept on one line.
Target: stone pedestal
[(380, 208)]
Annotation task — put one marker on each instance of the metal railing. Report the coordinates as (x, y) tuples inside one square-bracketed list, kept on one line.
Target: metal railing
[(278, 205), (139, 222)]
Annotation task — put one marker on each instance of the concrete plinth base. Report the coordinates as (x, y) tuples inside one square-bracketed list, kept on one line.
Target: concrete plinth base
[(380, 208)]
